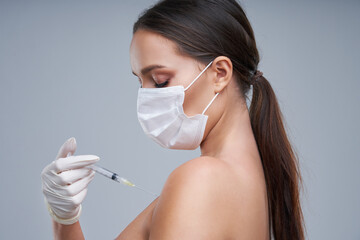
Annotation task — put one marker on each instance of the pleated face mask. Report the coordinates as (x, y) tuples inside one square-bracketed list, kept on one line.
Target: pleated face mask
[(161, 115)]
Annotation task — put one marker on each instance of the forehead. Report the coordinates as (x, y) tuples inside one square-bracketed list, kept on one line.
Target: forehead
[(149, 48)]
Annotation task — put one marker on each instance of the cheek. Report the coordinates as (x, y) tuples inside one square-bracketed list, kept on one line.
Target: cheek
[(197, 97)]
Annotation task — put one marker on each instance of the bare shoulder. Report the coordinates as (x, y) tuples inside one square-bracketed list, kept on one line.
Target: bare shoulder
[(203, 175), (198, 171), (193, 202), (205, 198)]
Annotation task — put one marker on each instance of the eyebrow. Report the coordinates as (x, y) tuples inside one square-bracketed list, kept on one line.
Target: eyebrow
[(147, 69)]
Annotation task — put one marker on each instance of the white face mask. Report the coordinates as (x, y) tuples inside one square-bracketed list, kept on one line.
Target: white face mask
[(161, 115)]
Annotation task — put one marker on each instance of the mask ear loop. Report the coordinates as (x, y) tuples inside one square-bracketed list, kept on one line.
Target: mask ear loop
[(210, 103), (198, 75)]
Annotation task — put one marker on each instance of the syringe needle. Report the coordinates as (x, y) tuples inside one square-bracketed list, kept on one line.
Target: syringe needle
[(145, 191), (127, 182)]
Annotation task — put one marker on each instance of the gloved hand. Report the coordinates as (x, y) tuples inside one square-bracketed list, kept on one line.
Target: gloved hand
[(65, 181)]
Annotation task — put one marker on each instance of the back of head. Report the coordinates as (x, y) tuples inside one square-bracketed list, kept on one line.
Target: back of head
[(206, 29)]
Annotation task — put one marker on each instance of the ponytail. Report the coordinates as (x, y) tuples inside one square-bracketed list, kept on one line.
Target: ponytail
[(280, 164)]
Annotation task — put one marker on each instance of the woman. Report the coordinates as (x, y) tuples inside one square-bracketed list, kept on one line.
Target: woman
[(194, 57)]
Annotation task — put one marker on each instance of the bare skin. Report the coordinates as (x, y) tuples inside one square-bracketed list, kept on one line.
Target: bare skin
[(222, 193)]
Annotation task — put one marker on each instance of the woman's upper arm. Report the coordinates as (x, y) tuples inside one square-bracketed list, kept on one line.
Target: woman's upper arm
[(190, 204), (139, 228)]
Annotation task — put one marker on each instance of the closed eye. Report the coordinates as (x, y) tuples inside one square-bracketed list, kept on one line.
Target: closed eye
[(160, 85)]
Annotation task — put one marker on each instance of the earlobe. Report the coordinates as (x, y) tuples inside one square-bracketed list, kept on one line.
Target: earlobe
[(224, 70)]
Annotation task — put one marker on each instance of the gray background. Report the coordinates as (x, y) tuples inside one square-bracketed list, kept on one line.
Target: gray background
[(64, 71)]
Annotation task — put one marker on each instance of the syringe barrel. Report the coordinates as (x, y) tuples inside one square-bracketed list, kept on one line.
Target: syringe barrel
[(103, 171), (115, 177)]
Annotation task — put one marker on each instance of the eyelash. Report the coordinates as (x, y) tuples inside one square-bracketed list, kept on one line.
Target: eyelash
[(160, 85)]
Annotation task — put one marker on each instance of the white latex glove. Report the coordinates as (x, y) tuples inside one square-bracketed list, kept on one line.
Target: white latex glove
[(65, 181)]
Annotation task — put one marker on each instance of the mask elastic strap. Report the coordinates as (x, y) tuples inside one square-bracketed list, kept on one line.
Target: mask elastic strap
[(210, 103), (198, 76)]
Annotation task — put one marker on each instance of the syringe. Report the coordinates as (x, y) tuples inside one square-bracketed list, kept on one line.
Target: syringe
[(114, 176)]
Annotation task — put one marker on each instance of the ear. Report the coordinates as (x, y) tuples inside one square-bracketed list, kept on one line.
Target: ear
[(223, 68)]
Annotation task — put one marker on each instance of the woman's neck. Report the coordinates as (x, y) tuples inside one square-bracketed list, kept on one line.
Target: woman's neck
[(232, 136)]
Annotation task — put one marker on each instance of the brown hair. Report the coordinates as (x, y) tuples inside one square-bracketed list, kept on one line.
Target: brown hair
[(205, 29)]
